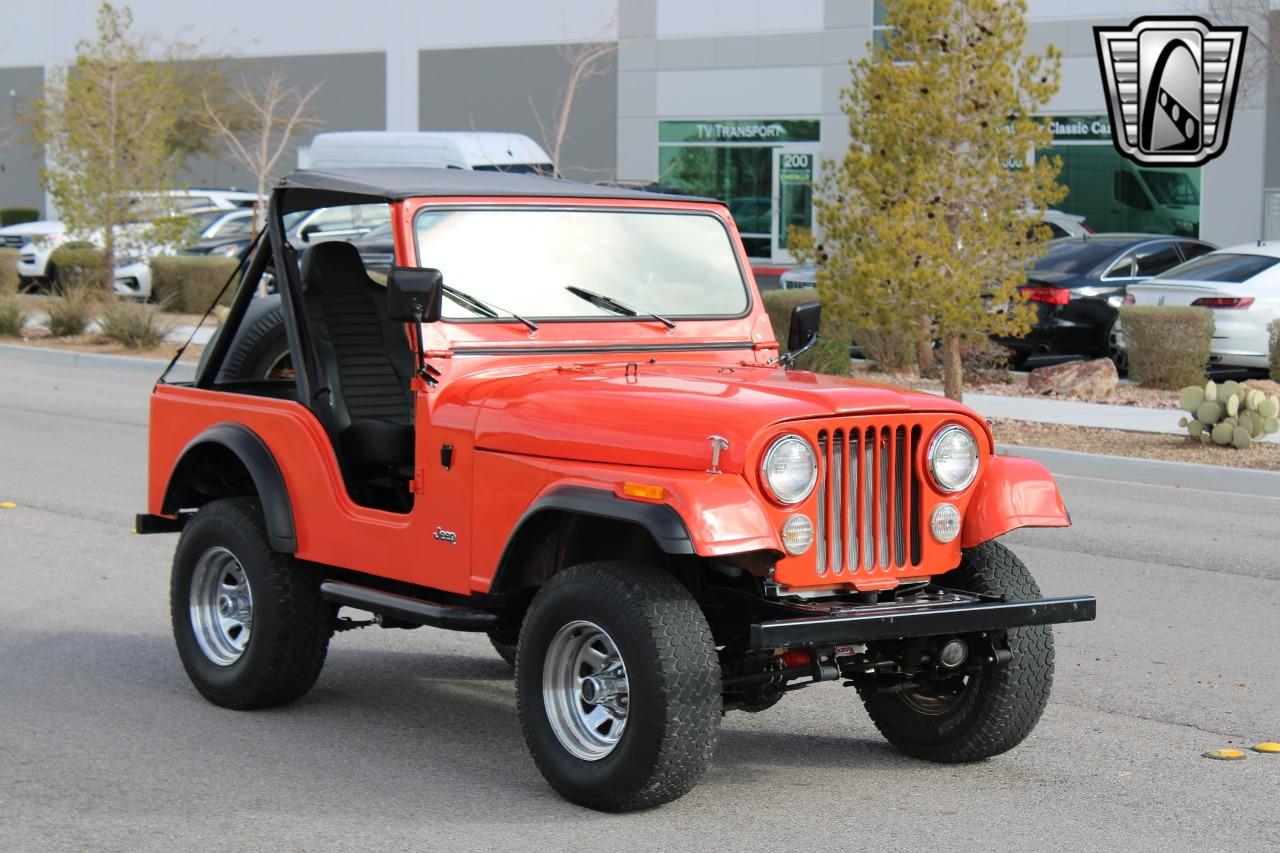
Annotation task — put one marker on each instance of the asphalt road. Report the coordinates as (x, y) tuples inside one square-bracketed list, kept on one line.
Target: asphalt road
[(410, 739)]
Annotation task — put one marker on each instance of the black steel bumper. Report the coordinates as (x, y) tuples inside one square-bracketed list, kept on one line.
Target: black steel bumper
[(953, 613)]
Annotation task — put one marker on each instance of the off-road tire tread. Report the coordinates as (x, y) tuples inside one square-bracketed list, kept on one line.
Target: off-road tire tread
[(296, 645), (685, 658), (1017, 692), (248, 354)]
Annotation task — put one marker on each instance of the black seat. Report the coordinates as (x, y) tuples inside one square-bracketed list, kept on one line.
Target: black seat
[(366, 358)]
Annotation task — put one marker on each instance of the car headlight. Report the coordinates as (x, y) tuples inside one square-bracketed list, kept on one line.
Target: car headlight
[(789, 470), (953, 458)]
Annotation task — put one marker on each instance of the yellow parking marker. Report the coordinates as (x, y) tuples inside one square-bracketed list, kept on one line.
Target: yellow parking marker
[(1226, 754), (8, 505), (1267, 746)]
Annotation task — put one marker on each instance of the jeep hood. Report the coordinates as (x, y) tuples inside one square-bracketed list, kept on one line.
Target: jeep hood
[(662, 415)]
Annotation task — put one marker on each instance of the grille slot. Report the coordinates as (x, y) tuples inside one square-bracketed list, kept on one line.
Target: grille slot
[(868, 499)]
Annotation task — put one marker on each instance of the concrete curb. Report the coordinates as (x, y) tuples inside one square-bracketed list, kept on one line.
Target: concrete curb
[(1176, 475), (72, 358)]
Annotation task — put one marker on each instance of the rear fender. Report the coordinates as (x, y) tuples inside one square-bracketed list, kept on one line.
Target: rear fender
[(1013, 493)]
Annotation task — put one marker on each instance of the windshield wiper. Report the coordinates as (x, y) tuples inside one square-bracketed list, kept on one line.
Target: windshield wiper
[(484, 309), (608, 303)]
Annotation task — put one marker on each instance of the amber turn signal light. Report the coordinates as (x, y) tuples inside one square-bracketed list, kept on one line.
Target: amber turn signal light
[(643, 490)]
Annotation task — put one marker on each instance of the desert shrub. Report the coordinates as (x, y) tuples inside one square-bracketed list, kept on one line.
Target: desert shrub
[(8, 271), (1230, 414), (79, 266), (12, 319), (831, 353), (71, 308), (1274, 349), (1168, 346), (133, 325), (984, 360), (17, 215), (189, 283)]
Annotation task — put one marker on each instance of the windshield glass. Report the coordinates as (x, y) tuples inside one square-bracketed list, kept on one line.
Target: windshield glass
[(1222, 267), (1076, 257), (1172, 188), (522, 261)]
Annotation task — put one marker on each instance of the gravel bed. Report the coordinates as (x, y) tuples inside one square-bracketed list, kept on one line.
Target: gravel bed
[(1168, 448)]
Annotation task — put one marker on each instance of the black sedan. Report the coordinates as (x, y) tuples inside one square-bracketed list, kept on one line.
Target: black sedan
[(1079, 285)]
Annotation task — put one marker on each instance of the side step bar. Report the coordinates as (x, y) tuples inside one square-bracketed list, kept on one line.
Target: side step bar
[(408, 609)]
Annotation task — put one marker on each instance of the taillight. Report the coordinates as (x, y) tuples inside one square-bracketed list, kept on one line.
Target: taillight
[(1223, 302), (1050, 295)]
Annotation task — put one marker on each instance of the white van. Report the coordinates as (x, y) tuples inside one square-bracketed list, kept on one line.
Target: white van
[(495, 152)]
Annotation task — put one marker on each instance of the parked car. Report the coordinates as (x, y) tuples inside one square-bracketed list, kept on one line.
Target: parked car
[(377, 249), (1241, 284), (1060, 225), (1079, 285), (575, 432), (16, 236), (132, 273), (222, 233)]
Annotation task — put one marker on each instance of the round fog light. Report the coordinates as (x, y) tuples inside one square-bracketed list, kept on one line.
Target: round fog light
[(797, 534), (945, 522)]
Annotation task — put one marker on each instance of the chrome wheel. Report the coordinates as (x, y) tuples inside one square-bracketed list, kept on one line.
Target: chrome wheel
[(221, 606), (585, 690)]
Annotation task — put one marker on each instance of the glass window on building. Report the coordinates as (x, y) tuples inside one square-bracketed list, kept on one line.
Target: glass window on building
[(762, 169), (1113, 193)]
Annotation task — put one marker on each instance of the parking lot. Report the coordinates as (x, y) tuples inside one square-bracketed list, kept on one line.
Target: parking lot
[(410, 738)]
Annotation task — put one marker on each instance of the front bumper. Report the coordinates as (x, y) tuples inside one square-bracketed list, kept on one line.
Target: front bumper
[(940, 613)]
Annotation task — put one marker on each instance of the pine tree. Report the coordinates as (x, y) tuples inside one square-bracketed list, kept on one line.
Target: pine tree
[(927, 220)]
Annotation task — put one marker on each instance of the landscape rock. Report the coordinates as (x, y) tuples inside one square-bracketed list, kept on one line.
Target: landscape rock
[(1085, 380), (1267, 386)]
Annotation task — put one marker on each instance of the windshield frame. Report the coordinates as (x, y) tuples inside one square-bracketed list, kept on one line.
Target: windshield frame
[(746, 280)]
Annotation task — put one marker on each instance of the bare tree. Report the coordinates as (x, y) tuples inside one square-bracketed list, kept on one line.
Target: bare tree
[(266, 115), (1261, 47), (586, 60)]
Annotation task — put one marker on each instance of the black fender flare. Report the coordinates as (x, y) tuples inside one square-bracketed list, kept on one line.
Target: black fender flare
[(661, 521), (253, 453)]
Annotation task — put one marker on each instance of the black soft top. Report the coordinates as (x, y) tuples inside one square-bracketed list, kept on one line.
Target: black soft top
[(326, 187)]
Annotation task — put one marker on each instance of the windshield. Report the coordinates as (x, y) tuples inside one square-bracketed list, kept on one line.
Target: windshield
[(1221, 267), (1076, 257), (1171, 188), (523, 261)]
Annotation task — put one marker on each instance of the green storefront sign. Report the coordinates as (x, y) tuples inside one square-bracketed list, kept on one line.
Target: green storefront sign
[(767, 132), (1080, 128)]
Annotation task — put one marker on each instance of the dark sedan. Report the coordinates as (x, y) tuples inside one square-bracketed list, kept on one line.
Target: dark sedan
[(1079, 285)]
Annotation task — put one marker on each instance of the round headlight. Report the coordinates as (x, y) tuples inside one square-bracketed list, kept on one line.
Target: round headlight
[(953, 458), (789, 469)]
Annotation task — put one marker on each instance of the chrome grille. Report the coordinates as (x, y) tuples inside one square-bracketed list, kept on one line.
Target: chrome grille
[(11, 241), (868, 499)]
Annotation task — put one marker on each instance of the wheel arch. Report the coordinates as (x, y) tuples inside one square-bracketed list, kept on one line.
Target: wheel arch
[(226, 460), (619, 529)]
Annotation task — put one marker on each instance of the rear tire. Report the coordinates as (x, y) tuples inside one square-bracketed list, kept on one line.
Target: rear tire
[(618, 686), (250, 625), (997, 707)]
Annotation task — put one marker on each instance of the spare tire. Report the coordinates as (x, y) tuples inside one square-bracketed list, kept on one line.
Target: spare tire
[(261, 346)]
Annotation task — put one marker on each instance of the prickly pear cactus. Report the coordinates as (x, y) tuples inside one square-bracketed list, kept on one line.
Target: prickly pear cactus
[(1229, 415)]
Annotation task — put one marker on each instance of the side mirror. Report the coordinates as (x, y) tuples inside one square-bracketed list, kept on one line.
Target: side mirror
[(414, 294), (805, 320)]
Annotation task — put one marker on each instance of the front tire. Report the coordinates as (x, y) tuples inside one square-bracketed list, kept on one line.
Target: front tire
[(618, 686), (251, 628), (993, 709)]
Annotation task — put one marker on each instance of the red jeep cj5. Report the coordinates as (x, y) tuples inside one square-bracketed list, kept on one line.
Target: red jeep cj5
[(562, 419)]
